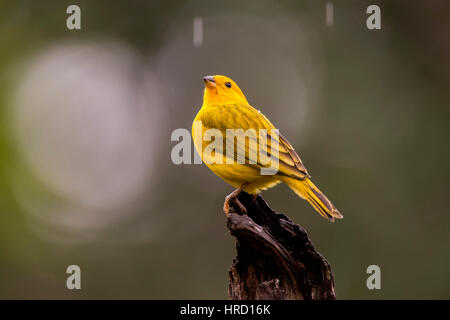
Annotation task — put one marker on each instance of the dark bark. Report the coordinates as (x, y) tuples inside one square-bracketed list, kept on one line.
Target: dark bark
[(275, 258)]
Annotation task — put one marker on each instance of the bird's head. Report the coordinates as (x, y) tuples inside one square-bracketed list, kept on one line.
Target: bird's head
[(221, 90)]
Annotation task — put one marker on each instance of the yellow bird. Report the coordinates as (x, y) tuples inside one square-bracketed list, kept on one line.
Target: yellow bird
[(226, 108)]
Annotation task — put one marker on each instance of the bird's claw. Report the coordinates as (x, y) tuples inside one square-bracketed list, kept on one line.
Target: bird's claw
[(234, 197), (237, 204)]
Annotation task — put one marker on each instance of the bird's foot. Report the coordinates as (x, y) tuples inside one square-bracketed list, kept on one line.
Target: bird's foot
[(233, 197)]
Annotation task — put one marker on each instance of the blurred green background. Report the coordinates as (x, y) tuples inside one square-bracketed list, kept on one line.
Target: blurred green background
[(86, 116)]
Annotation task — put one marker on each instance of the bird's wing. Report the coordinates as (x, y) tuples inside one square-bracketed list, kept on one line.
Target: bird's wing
[(274, 144), (293, 165)]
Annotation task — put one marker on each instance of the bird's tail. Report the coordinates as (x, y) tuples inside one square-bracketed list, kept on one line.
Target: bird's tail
[(308, 191)]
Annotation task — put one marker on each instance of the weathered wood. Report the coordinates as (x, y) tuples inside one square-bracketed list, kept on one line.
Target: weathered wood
[(275, 258)]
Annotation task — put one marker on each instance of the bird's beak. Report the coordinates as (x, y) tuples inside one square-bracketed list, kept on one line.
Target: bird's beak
[(210, 83)]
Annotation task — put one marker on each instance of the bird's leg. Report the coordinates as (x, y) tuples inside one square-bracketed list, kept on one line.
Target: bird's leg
[(233, 197)]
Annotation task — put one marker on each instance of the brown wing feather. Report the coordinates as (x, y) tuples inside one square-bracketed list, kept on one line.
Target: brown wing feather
[(294, 156), (290, 163)]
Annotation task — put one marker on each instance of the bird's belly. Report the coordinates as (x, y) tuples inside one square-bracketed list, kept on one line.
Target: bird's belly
[(238, 174)]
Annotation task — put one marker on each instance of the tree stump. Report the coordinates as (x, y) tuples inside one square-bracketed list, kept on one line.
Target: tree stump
[(275, 258)]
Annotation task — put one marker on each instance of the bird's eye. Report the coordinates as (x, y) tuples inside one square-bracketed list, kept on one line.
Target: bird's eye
[(228, 84)]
